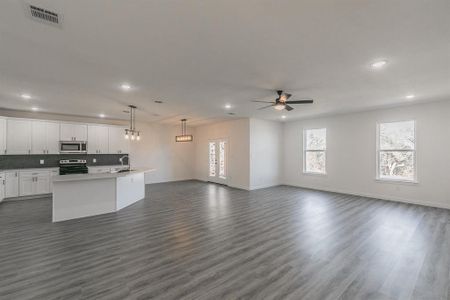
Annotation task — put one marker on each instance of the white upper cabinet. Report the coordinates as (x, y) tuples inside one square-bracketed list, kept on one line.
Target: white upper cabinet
[(22, 136), (2, 136), (52, 138), (45, 137), (73, 132), (117, 142), (38, 137), (18, 136), (97, 139)]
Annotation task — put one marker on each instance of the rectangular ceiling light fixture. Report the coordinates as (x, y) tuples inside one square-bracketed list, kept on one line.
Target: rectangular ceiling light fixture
[(184, 137)]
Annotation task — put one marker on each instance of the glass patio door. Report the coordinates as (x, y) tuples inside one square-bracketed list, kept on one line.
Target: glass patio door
[(218, 161)]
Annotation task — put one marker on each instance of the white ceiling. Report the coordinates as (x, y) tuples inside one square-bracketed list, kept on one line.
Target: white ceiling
[(199, 55)]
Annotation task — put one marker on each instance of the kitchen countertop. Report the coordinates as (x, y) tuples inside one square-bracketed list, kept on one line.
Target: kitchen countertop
[(57, 168), (77, 177), (108, 166)]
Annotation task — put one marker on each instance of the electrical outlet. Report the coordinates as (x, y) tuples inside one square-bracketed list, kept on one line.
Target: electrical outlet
[(94, 160), (41, 161)]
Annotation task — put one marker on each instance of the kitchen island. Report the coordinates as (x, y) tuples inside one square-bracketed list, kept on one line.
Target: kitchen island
[(83, 195)]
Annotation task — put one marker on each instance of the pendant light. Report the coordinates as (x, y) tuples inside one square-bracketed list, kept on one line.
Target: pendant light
[(132, 133), (184, 137)]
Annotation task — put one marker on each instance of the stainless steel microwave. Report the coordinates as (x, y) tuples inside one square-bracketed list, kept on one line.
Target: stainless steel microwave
[(72, 147)]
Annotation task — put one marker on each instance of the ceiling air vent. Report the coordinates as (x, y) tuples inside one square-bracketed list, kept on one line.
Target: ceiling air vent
[(44, 15)]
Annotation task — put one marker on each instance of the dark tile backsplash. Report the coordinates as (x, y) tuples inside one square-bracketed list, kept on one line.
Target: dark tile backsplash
[(8, 162)]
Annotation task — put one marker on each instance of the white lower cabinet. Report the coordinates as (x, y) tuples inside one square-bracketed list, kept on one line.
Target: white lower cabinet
[(26, 182), (11, 184), (34, 183), (2, 186)]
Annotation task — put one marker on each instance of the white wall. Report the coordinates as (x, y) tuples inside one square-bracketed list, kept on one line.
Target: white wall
[(266, 144), (351, 154), (237, 134), (158, 149)]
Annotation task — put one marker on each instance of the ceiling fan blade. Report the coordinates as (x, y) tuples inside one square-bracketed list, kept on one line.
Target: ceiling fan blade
[(287, 96), (262, 101), (264, 107), (288, 108), (300, 101), (279, 92)]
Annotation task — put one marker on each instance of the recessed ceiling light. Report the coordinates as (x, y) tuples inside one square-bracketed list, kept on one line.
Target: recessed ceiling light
[(26, 96), (283, 117), (34, 108), (379, 64), (101, 115), (125, 86), (227, 106), (410, 96)]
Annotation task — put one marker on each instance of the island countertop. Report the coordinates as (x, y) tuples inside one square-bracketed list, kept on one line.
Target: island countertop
[(78, 177)]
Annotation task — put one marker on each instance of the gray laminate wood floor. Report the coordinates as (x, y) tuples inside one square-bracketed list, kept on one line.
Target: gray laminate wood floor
[(193, 240)]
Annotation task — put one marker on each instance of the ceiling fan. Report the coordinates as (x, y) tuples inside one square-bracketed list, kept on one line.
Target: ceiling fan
[(282, 102)]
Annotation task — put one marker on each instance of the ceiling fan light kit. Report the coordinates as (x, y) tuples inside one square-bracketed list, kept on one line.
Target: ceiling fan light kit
[(184, 137), (282, 102), (279, 106)]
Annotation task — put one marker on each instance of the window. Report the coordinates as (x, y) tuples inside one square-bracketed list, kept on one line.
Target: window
[(397, 151), (314, 150)]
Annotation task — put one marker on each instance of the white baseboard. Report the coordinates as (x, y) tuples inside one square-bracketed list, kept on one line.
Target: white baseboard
[(375, 196), (171, 180), (264, 186)]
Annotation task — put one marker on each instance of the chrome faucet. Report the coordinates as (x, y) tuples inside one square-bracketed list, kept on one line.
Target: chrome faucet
[(121, 160)]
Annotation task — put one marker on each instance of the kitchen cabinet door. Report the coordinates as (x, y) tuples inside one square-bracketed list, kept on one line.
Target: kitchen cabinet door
[(26, 183), (73, 132), (2, 186), (41, 183), (117, 142), (80, 132), (11, 184), (38, 137), (52, 138), (66, 132), (2, 136), (18, 136), (44, 137), (97, 139)]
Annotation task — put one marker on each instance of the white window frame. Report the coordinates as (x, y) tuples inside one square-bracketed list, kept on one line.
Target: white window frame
[(306, 150), (378, 152)]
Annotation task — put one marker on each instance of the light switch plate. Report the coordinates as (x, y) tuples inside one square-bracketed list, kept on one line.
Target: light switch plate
[(94, 160), (41, 161)]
